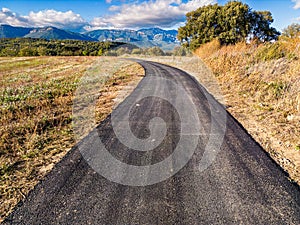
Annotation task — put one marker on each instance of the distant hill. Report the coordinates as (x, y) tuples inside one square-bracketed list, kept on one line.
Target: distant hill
[(166, 39), (7, 31), (156, 34), (49, 33), (53, 33)]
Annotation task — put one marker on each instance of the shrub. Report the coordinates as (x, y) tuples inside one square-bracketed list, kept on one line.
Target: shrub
[(270, 51), (136, 51), (291, 45), (155, 51)]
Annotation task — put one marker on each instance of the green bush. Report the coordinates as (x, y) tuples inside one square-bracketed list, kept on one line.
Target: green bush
[(136, 51), (155, 51), (270, 51)]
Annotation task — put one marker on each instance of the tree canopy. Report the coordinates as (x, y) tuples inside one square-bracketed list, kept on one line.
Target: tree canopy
[(231, 23)]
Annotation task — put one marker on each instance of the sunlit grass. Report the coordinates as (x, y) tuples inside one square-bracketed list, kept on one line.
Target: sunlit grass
[(261, 85)]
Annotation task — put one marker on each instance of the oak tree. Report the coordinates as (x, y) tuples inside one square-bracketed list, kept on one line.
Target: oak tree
[(231, 23)]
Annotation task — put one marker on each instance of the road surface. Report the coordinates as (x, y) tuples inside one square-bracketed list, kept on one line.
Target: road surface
[(243, 185)]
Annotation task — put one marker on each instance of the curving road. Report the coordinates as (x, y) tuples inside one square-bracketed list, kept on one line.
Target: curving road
[(242, 185)]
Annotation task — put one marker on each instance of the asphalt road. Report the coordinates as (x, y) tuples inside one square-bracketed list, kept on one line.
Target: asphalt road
[(242, 185)]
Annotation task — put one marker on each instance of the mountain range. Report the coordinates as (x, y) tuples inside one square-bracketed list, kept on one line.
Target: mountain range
[(165, 39), (7, 31)]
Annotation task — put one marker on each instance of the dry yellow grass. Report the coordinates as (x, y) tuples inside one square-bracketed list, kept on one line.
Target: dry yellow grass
[(36, 97), (208, 49), (261, 86), (128, 75)]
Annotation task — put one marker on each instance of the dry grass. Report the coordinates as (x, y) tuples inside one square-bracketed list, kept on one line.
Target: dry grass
[(261, 86), (126, 77), (208, 49), (36, 96)]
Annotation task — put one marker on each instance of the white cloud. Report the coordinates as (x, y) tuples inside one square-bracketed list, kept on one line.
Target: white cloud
[(11, 18), (114, 8), (68, 20), (132, 14), (297, 4), (58, 19), (162, 13)]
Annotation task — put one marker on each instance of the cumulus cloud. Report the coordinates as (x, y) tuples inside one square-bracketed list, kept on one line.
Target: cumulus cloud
[(67, 20), (162, 13), (297, 4), (132, 14), (114, 8), (58, 19), (11, 18)]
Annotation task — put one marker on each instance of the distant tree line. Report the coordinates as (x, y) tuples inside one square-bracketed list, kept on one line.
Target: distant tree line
[(151, 51), (231, 23), (42, 47)]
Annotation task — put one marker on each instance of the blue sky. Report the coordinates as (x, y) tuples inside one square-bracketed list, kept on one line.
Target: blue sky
[(95, 14)]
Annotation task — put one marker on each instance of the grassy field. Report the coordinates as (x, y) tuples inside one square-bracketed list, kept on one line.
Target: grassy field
[(261, 86), (36, 98)]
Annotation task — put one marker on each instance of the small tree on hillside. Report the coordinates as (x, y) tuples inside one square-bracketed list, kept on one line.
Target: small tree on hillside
[(136, 51), (155, 51), (181, 51), (292, 31)]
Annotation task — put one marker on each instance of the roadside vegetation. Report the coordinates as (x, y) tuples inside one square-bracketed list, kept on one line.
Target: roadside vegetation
[(36, 130), (261, 84)]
